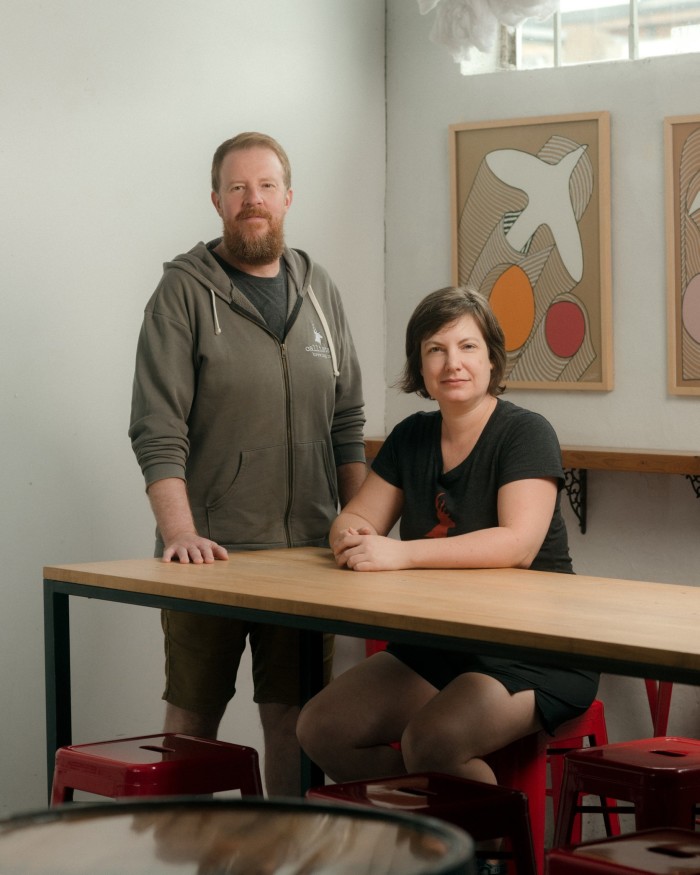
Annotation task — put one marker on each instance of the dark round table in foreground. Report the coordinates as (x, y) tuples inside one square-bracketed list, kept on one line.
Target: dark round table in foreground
[(236, 837)]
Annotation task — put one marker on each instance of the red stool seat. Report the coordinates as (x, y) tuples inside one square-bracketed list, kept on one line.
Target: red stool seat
[(656, 852), (155, 765), (486, 811), (659, 776)]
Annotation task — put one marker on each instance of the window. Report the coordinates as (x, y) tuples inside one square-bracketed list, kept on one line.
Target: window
[(584, 31)]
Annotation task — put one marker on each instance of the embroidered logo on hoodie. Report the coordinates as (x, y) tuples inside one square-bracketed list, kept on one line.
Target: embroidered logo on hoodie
[(318, 348)]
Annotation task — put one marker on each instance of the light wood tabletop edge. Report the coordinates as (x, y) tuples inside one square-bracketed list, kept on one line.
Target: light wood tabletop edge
[(364, 606)]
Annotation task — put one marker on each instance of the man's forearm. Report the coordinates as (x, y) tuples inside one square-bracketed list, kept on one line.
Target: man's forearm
[(171, 507)]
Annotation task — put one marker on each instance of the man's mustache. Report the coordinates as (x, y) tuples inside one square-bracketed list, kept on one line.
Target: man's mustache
[(254, 213)]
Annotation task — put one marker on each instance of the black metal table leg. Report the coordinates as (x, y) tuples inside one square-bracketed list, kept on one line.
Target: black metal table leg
[(57, 675), (311, 670)]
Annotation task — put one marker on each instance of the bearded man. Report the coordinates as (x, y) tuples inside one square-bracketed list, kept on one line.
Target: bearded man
[(247, 422)]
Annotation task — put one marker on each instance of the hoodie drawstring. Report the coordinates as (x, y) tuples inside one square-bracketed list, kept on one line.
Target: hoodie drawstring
[(329, 336), (217, 327), (317, 308)]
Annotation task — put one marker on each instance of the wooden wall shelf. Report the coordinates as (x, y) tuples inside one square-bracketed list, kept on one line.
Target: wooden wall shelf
[(578, 461), (640, 461)]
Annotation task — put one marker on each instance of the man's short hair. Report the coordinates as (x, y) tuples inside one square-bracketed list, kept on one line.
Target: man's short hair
[(249, 140)]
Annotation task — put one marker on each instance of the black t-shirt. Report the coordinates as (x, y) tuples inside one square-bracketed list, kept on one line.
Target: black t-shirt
[(267, 294), (516, 444)]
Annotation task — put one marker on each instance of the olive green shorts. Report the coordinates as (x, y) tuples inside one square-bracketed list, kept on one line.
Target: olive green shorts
[(203, 653)]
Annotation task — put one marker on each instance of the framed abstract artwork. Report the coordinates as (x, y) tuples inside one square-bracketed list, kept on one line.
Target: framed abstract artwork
[(531, 231), (682, 152)]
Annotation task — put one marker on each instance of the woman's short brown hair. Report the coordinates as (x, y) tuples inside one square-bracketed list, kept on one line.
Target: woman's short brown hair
[(442, 308), (249, 140)]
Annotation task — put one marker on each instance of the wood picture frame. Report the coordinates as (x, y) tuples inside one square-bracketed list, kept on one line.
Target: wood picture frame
[(682, 172), (530, 217)]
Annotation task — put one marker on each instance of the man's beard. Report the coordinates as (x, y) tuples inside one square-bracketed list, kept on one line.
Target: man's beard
[(254, 249)]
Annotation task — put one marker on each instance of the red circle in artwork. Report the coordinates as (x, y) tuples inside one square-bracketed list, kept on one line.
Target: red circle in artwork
[(564, 328)]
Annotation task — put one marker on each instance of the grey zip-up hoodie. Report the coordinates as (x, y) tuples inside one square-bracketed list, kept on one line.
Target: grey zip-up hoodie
[(256, 427)]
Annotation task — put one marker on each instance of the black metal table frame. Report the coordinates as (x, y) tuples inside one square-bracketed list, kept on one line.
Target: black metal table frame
[(58, 661)]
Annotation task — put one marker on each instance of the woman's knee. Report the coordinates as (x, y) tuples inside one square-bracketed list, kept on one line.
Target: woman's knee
[(430, 747)]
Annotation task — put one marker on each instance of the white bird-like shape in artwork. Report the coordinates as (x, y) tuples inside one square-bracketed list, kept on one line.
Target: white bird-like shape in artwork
[(549, 202), (695, 204)]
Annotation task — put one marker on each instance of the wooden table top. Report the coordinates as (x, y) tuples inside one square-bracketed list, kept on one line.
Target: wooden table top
[(639, 623)]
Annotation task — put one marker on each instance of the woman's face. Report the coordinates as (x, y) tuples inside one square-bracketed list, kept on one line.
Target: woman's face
[(455, 363)]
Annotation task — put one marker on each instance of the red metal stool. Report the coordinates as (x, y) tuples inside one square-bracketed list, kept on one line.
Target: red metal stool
[(588, 730), (486, 811), (155, 765), (656, 852), (659, 696), (372, 645), (659, 776), (523, 765), (520, 767)]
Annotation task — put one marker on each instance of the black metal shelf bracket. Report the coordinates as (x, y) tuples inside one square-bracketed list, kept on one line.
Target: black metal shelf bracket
[(576, 485), (695, 483)]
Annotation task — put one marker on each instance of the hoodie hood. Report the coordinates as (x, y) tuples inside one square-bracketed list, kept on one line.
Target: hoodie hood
[(201, 264)]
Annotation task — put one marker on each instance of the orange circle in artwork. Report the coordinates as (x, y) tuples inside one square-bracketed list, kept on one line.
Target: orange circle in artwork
[(513, 303)]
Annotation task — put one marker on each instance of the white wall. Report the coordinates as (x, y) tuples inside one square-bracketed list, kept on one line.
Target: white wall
[(110, 115), (640, 526)]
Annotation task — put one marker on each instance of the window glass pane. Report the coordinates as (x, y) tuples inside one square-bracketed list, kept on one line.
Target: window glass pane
[(668, 28), (586, 31), (536, 44), (594, 30)]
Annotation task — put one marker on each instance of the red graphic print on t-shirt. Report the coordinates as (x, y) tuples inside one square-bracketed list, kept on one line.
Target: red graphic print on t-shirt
[(445, 521)]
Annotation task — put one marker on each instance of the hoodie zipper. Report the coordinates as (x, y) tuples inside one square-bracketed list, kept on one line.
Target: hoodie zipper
[(287, 412), (287, 393), (290, 454)]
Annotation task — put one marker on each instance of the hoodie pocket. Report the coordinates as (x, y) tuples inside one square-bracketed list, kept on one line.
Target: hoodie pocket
[(252, 510), (315, 496)]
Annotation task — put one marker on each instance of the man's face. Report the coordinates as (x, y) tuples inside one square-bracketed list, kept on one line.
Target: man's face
[(252, 201)]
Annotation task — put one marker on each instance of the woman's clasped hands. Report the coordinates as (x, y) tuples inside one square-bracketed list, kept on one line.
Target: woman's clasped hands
[(361, 549)]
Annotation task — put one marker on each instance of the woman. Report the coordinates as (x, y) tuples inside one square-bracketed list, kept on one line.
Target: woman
[(475, 485)]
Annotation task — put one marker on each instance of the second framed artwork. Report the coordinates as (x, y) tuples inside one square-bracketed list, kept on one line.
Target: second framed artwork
[(531, 231), (682, 147)]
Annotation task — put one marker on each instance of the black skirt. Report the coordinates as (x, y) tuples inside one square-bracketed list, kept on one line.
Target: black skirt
[(560, 694)]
